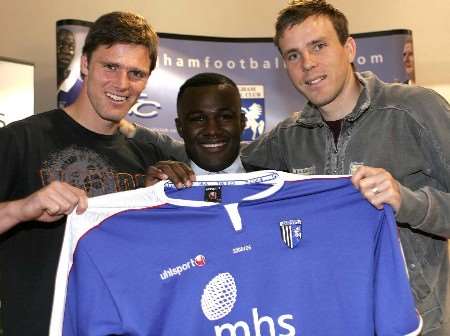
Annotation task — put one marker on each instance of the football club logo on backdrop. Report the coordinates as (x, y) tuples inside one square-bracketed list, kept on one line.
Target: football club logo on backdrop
[(291, 232), (252, 100), (145, 108)]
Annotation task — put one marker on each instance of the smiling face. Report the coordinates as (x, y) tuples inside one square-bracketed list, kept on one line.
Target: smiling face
[(318, 64), (65, 51), (211, 122), (65, 47), (114, 77)]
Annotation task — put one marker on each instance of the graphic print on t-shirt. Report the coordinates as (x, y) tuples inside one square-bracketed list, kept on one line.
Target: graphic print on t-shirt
[(87, 170)]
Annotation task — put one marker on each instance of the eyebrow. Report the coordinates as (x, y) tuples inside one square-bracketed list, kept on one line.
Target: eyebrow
[(315, 41), (308, 45)]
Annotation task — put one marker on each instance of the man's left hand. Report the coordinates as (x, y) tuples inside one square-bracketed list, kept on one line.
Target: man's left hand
[(179, 173), (378, 186)]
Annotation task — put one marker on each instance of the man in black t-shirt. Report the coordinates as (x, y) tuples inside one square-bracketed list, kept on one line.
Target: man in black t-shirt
[(51, 163)]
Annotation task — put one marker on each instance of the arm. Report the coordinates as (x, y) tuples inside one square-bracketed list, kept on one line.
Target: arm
[(264, 153), (47, 205), (426, 208), (171, 147)]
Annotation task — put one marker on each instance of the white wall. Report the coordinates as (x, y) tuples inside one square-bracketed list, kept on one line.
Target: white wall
[(27, 28)]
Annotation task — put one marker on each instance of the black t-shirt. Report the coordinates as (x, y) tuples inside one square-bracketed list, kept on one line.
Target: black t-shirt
[(34, 152)]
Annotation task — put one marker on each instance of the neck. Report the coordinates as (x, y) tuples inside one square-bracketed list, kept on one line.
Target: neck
[(346, 100), (234, 168)]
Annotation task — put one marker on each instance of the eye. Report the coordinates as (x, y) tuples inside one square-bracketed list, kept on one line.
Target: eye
[(227, 115), (319, 46), (197, 117), (292, 56), (111, 66), (137, 75)]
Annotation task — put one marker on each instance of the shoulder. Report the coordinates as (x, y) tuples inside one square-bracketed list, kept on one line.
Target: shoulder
[(150, 152), (283, 127), (420, 111), (35, 121), (417, 103), (411, 98)]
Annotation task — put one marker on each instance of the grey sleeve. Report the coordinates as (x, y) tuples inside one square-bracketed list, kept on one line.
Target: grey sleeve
[(169, 146), (264, 153), (428, 208)]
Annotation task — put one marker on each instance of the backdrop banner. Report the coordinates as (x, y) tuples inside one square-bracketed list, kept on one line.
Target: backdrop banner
[(253, 63)]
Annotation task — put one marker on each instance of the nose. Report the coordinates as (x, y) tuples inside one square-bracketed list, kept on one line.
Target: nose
[(309, 61), (122, 81), (212, 127)]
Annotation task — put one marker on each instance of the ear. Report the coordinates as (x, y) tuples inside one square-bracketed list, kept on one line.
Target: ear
[(243, 121), (179, 127), (84, 65), (350, 48)]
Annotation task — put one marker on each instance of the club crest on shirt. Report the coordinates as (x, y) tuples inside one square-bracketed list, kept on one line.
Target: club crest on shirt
[(291, 232), (252, 101)]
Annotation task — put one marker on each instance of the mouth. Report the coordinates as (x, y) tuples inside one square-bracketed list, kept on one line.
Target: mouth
[(65, 59), (214, 147), (315, 81), (116, 98)]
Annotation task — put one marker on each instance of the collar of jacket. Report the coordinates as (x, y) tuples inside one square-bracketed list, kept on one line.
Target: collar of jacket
[(310, 116)]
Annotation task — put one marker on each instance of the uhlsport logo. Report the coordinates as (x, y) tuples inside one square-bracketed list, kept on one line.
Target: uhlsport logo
[(198, 261), (220, 297)]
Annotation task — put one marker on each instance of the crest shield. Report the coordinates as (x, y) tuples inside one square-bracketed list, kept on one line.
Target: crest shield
[(291, 232)]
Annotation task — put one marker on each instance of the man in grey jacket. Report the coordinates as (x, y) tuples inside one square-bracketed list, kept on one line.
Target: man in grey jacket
[(353, 122)]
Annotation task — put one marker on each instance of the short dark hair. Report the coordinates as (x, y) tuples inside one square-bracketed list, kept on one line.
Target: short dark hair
[(299, 10), (204, 79), (122, 27)]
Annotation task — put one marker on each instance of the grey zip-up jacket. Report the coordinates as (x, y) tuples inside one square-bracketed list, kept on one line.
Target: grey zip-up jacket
[(405, 130)]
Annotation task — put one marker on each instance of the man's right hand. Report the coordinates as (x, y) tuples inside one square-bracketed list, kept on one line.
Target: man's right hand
[(126, 128), (53, 202), (46, 205), (179, 173)]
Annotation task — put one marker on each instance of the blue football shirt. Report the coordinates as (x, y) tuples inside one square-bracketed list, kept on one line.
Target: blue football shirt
[(264, 253)]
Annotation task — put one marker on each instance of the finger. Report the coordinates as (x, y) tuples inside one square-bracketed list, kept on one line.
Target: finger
[(157, 173), (384, 192), (185, 173), (178, 173), (126, 128), (66, 198), (82, 204), (370, 184), (389, 193), (360, 174), (61, 204), (373, 179)]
